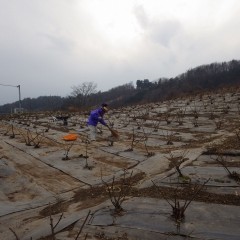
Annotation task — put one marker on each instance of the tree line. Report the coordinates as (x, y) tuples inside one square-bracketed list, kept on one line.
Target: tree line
[(197, 80)]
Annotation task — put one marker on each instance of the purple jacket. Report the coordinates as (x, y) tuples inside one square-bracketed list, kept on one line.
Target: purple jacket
[(95, 117)]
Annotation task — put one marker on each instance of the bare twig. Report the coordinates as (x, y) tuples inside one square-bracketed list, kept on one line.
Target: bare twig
[(178, 210), (118, 192), (84, 222), (16, 236)]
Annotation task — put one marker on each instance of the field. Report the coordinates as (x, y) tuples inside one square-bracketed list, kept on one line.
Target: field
[(171, 173)]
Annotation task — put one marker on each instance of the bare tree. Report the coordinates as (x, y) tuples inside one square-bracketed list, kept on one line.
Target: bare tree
[(83, 91)]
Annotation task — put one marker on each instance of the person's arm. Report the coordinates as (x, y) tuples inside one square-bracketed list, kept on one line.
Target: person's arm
[(101, 120)]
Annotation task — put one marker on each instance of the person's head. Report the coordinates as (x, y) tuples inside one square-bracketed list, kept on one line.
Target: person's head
[(105, 107)]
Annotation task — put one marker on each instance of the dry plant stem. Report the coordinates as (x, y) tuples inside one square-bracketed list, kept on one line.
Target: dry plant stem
[(195, 111), (126, 122), (180, 116), (156, 125), (135, 141), (51, 223), (118, 197), (47, 129), (167, 118), (145, 142), (28, 138), (86, 154), (86, 149), (143, 114), (16, 236), (177, 161), (67, 148), (212, 116), (197, 189), (205, 104), (6, 132), (169, 137), (80, 231), (116, 200), (178, 211), (237, 132), (220, 159), (233, 175), (218, 122), (38, 139), (13, 134), (140, 122), (10, 128), (195, 122), (238, 107)]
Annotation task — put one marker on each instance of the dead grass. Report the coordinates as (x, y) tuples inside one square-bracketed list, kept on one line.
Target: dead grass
[(228, 143), (117, 163)]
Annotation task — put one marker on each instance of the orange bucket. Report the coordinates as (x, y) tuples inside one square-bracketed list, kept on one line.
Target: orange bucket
[(70, 137)]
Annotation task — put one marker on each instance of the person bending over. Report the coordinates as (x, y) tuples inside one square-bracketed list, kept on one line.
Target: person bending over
[(95, 117)]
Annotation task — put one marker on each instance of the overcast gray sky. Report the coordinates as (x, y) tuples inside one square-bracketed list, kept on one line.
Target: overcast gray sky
[(48, 46)]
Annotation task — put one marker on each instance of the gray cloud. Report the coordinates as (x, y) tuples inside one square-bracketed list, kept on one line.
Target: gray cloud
[(49, 46), (161, 31)]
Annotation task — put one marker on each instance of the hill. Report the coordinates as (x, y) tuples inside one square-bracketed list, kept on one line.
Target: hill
[(173, 173), (197, 80)]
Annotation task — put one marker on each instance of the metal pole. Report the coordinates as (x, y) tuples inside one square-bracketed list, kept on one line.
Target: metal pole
[(19, 92)]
